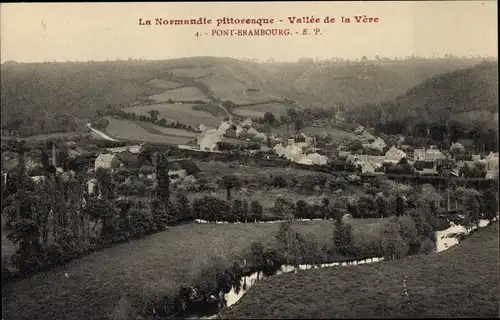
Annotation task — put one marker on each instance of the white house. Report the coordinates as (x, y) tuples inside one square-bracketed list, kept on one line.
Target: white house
[(208, 139), (106, 161), (394, 155)]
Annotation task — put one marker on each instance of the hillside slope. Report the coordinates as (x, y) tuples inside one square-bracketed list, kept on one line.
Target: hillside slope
[(459, 282), (354, 83), (54, 97), (460, 95)]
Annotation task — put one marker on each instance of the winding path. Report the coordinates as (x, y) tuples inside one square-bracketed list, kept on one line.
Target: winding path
[(100, 133)]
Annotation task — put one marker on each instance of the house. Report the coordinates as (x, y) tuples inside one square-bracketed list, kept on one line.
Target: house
[(366, 137), (182, 168), (428, 160), (344, 154), (492, 161), (106, 161), (457, 147), (394, 155), (359, 130), (379, 144), (208, 139)]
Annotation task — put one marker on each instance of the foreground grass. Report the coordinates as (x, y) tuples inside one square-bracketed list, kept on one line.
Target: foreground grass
[(147, 268), (460, 282)]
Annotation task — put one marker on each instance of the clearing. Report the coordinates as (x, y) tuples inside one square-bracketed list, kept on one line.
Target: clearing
[(144, 268), (459, 282), (180, 94), (183, 113), (258, 110), (129, 130)]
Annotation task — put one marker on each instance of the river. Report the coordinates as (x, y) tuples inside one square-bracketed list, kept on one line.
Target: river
[(445, 239)]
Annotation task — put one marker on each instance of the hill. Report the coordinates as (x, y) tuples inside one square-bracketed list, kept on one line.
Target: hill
[(358, 82), (61, 97), (469, 94), (460, 282)]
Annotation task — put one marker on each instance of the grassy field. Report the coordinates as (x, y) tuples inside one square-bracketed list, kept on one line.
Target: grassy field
[(183, 113), (311, 130), (155, 129), (180, 94), (164, 84), (219, 168), (460, 282), (258, 111), (140, 269), (129, 130)]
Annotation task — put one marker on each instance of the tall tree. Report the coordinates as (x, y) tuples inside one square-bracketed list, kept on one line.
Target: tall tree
[(162, 178), (229, 182)]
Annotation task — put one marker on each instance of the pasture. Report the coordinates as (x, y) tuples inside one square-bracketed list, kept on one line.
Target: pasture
[(164, 84), (129, 130), (258, 111), (183, 113), (180, 94), (460, 282), (155, 129), (134, 272)]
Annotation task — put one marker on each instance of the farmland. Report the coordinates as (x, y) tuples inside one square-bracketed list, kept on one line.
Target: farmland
[(180, 94), (129, 130), (183, 113), (459, 282), (258, 111), (159, 130), (136, 271)]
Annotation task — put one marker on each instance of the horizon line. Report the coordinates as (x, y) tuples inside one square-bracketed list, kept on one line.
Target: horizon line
[(269, 60)]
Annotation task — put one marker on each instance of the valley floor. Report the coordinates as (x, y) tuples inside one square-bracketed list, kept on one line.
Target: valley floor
[(460, 282), (99, 284)]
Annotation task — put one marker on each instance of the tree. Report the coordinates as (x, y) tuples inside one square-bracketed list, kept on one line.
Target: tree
[(154, 115), (269, 118), (162, 178), (355, 145), (283, 208), (393, 244), (343, 237), (256, 210), (238, 213), (183, 207), (490, 204), (325, 202), (382, 205), (301, 209), (229, 182), (299, 124)]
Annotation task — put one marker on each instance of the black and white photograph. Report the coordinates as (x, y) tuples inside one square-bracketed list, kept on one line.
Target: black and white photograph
[(249, 160)]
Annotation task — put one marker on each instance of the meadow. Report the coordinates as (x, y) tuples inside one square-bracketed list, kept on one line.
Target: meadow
[(134, 272), (186, 93), (129, 130), (460, 282), (258, 111), (183, 113), (155, 129)]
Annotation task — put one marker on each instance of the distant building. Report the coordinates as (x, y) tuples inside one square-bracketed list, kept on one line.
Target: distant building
[(359, 130), (106, 161), (457, 146), (208, 139), (379, 144), (394, 155)]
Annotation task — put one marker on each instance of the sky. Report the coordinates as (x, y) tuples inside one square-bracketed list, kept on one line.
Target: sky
[(37, 32)]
